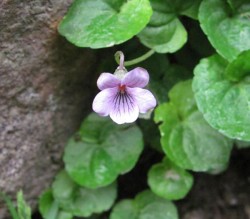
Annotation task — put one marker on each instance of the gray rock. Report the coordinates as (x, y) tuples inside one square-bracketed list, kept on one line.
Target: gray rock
[(45, 91)]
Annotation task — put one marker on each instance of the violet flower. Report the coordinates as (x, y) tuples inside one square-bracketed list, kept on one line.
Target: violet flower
[(122, 96)]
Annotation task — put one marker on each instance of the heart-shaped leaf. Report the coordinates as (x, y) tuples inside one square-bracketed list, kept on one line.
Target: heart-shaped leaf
[(222, 92), (169, 181), (103, 23), (145, 205), (81, 201), (186, 137), (227, 25), (101, 151)]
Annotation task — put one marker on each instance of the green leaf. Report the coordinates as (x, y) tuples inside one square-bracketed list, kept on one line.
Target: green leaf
[(145, 205), (164, 33), (81, 201), (224, 103), (103, 23), (226, 25), (125, 209), (169, 181), (10, 205), (48, 207), (186, 137), (239, 68), (189, 8), (23, 209), (95, 158)]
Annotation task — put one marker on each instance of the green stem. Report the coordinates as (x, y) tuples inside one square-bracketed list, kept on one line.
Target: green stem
[(134, 61)]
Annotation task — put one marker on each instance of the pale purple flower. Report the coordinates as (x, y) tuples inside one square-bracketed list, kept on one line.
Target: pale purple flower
[(122, 96)]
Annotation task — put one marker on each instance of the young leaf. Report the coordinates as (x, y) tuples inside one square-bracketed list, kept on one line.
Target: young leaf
[(145, 205), (169, 181), (227, 25), (23, 209), (103, 23), (48, 207), (81, 201), (186, 137), (10, 205), (224, 102), (112, 151), (164, 33)]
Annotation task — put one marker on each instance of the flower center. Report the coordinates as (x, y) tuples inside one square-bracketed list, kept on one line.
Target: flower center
[(122, 88)]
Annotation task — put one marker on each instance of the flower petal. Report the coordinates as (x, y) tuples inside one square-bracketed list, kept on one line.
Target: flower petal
[(107, 80), (125, 109), (102, 103), (138, 77), (144, 98)]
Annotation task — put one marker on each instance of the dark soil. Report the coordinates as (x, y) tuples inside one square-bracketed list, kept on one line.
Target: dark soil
[(224, 196)]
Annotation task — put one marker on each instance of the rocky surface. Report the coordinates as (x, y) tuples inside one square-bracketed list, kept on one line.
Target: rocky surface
[(45, 85)]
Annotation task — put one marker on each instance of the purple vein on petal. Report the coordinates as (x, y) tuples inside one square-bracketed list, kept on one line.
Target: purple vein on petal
[(144, 98), (103, 101), (124, 109)]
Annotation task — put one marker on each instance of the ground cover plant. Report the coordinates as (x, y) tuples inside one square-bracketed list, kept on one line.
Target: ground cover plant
[(183, 90)]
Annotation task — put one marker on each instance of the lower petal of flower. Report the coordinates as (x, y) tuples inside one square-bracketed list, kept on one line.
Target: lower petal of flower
[(103, 101), (125, 109), (143, 98)]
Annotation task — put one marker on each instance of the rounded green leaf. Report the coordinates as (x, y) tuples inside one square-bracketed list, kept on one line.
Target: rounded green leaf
[(46, 205), (169, 181), (146, 205), (125, 209), (226, 25), (81, 201), (103, 23), (152, 206), (186, 138), (159, 210), (95, 160), (164, 33), (224, 103)]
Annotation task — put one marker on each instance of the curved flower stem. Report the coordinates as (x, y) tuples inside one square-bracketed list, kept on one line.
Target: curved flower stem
[(119, 57)]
